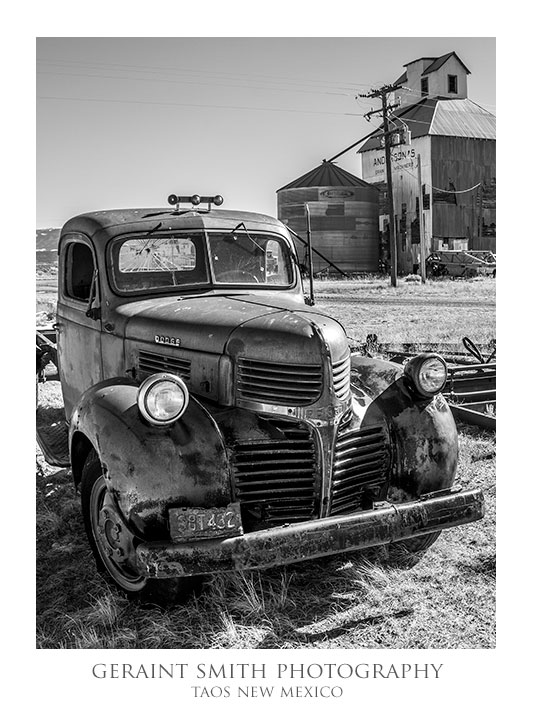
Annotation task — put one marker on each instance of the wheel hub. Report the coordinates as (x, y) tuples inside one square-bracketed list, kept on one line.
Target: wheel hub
[(115, 537)]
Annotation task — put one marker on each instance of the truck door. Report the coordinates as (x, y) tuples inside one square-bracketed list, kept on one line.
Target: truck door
[(78, 335)]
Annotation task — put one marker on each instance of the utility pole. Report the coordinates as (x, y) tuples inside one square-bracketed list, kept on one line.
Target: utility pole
[(421, 222), (383, 92)]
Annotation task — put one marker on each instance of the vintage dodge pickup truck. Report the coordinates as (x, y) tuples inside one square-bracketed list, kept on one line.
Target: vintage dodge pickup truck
[(218, 421)]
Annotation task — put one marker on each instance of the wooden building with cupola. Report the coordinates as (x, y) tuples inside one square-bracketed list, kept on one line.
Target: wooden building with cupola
[(453, 140)]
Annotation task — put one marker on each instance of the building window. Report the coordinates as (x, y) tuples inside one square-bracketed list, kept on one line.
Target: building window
[(452, 84), (424, 86)]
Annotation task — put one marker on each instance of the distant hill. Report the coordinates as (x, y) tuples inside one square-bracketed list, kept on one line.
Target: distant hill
[(47, 238)]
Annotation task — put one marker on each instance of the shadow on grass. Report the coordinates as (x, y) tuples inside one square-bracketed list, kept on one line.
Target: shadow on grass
[(347, 600)]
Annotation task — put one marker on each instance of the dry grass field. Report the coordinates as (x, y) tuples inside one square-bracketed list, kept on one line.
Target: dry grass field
[(447, 600)]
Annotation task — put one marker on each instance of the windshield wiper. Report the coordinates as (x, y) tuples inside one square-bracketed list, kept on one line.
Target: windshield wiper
[(241, 225)]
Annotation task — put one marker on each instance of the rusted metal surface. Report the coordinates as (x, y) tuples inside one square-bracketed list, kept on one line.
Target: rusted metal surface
[(423, 431), (52, 437), (454, 353), (471, 384), (46, 349), (474, 417), (283, 545), (151, 469), (471, 389), (283, 421), (461, 263)]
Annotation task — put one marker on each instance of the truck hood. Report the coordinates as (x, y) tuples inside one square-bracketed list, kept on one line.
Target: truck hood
[(205, 323)]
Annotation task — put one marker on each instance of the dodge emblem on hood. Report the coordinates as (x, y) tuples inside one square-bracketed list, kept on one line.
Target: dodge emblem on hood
[(164, 339)]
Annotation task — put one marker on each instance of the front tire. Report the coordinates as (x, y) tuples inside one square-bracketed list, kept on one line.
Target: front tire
[(113, 545), (407, 553)]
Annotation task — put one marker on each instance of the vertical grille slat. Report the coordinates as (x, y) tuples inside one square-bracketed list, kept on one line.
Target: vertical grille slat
[(275, 383), (359, 469), (341, 378), (151, 363), (276, 481)]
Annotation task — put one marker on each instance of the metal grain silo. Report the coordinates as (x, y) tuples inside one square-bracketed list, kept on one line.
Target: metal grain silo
[(344, 217)]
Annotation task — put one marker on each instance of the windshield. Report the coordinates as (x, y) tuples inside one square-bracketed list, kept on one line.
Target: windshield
[(154, 262), (250, 258), (159, 263)]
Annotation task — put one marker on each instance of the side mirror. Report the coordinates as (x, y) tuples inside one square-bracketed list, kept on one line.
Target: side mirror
[(93, 312)]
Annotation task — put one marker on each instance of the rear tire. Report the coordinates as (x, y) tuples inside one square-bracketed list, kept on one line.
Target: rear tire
[(113, 545)]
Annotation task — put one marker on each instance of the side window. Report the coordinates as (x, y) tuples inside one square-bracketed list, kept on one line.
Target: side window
[(79, 271), (424, 86)]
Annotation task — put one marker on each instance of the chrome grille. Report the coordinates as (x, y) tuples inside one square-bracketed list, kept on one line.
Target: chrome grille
[(151, 363), (276, 480), (359, 469), (341, 378), (275, 383)]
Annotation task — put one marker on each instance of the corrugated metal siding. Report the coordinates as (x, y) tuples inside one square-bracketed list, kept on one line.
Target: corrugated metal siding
[(344, 227), (465, 162), (462, 118)]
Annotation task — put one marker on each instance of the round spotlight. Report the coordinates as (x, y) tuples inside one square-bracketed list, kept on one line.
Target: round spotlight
[(195, 200), (162, 399), (218, 200), (428, 373), (172, 199)]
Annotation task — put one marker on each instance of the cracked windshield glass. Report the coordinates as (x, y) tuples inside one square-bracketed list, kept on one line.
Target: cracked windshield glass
[(250, 259), (155, 263)]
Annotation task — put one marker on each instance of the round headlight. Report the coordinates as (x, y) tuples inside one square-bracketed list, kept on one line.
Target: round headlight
[(162, 398), (428, 372)]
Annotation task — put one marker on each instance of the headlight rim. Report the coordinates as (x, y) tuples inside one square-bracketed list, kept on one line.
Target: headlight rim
[(414, 366), (145, 388)]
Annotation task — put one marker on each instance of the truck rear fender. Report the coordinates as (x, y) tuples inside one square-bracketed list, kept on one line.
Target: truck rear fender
[(150, 469)]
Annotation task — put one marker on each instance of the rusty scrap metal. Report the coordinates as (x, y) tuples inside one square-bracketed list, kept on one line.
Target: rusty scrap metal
[(474, 418), (452, 352), (470, 388), (461, 263)]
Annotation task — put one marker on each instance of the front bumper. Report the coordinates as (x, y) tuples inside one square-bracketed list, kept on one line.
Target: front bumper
[(315, 538)]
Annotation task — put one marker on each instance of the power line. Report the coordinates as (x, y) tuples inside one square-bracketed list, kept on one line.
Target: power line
[(201, 106), (216, 82), (172, 71)]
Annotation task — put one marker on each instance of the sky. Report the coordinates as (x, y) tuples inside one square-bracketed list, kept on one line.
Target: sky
[(124, 122)]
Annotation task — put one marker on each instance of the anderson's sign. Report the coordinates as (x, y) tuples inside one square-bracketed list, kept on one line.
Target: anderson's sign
[(402, 158)]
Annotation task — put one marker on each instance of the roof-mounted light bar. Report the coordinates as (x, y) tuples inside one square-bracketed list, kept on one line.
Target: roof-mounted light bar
[(195, 199)]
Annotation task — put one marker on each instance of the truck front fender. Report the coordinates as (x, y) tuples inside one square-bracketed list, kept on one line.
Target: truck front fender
[(151, 468), (423, 432)]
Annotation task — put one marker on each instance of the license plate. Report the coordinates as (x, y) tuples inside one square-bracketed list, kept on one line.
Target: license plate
[(204, 523)]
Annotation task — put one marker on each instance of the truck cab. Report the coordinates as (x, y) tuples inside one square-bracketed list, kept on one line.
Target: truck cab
[(217, 420)]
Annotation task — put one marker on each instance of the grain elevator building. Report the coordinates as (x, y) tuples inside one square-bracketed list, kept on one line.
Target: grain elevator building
[(453, 140)]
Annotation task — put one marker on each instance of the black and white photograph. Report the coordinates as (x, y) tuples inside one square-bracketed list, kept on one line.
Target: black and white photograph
[(266, 348), (265, 391)]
